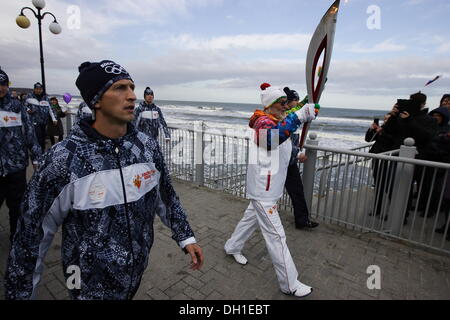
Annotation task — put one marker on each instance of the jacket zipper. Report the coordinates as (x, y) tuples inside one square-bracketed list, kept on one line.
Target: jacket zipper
[(128, 222)]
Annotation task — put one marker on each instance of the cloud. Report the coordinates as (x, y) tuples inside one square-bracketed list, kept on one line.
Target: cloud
[(385, 46), (157, 12), (413, 2), (220, 71), (257, 42), (94, 39)]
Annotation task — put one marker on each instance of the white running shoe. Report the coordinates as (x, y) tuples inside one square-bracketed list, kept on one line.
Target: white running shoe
[(302, 291), (240, 259)]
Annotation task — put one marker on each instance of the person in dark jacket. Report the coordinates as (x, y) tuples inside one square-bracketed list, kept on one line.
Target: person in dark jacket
[(445, 101), (386, 139), (418, 125), (103, 184), (38, 107), (17, 136), (440, 149), (149, 118), (437, 150), (294, 184), (57, 130)]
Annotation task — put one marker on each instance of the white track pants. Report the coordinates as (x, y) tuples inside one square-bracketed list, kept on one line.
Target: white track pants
[(265, 214)]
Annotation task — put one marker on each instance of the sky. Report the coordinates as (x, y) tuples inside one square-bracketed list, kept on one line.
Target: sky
[(222, 50)]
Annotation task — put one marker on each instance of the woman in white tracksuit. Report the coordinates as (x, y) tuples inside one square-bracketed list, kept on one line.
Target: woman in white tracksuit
[(269, 159)]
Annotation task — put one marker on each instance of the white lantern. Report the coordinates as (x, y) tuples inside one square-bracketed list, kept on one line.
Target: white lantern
[(40, 4), (55, 28)]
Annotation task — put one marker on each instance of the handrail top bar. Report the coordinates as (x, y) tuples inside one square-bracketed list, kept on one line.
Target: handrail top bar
[(366, 145), (440, 165), (193, 128)]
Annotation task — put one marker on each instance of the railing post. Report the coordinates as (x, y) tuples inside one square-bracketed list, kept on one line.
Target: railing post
[(402, 184), (309, 169), (199, 148)]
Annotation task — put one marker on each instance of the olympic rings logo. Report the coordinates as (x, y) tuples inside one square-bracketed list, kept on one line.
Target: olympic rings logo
[(115, 69)]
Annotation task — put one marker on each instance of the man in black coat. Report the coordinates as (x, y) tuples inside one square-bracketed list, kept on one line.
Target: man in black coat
[(294, 184), (417, 124), (386, 139)]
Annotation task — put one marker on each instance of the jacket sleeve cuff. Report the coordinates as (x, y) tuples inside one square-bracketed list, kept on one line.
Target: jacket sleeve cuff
[(186, 242)]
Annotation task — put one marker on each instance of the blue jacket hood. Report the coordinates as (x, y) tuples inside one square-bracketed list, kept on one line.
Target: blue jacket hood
[(443, 111)]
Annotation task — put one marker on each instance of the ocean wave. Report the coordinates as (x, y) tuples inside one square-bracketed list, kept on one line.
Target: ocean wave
[(189, 108)]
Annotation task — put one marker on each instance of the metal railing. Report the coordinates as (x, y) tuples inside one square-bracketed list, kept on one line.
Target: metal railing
[(207, 158), (377, 193), (353, 188)]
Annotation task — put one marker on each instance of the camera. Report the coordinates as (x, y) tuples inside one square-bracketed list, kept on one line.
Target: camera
[(410, 106), (376, 121)]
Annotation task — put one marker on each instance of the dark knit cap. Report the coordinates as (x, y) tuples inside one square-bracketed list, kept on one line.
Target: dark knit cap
[(38, 85), (447, 95), (148, 92), (4, 79), (419, 97), (95, 78), (291, 94)]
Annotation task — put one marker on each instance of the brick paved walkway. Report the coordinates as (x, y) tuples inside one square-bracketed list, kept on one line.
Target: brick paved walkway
[(331, 259)]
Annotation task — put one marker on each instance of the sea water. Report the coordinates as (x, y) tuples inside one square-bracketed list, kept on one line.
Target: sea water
[(335, 127)]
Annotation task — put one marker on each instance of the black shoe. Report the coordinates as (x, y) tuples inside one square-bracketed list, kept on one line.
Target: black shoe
[(308, 225)]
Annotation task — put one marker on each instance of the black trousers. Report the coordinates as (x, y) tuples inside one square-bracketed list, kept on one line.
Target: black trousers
[(12, 188), (41, 133), (294, 187), (427, 188), (383, 174)]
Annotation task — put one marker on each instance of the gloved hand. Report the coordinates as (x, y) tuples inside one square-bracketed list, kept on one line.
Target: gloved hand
[(307, 113)]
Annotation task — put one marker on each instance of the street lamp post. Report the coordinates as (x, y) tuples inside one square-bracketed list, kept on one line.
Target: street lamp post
[(23, 22)]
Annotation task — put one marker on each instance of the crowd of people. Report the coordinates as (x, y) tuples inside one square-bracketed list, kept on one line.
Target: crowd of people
[(410, 118), (45, 114), (107, 181)]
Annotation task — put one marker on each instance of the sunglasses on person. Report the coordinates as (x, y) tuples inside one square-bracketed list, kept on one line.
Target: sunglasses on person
[(282, 101)]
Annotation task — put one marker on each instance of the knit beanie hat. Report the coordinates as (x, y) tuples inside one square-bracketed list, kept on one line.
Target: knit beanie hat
[(95, 79), (291, 94), (418, 97), (148, 92), (447, 95), (4, 79), (270, 94), (38, 85)]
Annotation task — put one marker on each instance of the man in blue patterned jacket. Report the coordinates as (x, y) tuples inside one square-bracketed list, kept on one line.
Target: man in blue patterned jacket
[(84, 112), (103, 184), (149, 117), (16, 137), (40, 111)]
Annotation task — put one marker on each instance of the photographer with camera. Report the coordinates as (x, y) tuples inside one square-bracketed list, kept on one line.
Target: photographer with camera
[(385, 140)]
